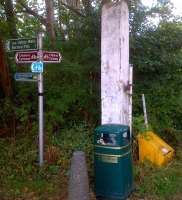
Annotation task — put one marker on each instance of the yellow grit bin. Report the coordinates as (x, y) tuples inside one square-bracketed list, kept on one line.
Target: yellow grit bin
[(154, 149)]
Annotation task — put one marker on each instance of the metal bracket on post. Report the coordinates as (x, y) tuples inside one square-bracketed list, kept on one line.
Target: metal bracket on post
[(41, 103)]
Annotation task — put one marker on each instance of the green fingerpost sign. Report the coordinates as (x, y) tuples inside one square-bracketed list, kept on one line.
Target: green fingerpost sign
[(22, 44)]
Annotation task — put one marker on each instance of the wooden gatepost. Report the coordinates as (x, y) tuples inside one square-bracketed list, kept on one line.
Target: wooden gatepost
[(116, 73)]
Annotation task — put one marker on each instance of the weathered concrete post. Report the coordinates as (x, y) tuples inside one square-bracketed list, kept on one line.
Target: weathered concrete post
[(115, 71), (78, 183)]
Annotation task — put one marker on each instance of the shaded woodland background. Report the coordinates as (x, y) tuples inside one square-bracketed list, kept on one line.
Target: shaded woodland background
[(73, 87), (72, 94)]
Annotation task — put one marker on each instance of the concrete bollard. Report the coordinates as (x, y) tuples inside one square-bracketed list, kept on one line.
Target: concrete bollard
[(78, 182)]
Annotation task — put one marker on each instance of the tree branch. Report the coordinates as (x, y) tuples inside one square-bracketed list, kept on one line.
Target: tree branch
[(32, 12), (72, 9)]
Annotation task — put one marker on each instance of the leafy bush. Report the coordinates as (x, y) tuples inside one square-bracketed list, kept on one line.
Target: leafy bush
[(159, 183), (20, 173), (76, 138)]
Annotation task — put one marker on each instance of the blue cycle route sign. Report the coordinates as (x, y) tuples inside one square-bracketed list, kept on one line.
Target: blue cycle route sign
[(31, 77), (37, 67)]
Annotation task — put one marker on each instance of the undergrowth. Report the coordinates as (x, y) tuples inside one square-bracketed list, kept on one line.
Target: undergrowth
[(159, 183), (21, 177)]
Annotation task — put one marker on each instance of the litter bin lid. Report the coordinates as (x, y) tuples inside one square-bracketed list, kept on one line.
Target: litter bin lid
[(112, 128)]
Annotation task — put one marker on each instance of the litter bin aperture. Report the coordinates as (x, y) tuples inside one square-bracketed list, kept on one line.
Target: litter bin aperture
[(112, 162)]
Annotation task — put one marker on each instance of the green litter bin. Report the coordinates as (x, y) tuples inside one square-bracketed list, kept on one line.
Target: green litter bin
[(112, 162)]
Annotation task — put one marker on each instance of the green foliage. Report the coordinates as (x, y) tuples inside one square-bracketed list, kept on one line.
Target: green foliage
[(155, 51), (157, 61), (72, 95), (76, 138), (72, 87), (25, 104), (22, 178), (139, 125), (20, 173), (159, 183), (6, 112), (69, 95), (172, 137)]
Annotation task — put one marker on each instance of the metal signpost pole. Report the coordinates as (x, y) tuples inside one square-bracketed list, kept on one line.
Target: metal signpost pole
[(41, 111), (37, 58)]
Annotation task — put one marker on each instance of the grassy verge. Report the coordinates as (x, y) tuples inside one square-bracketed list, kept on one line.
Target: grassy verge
[(20, 176), (159, 183)]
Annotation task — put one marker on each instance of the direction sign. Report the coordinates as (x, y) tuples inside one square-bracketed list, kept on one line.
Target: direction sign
[(26, 57), (26, 77), (22, 44), (37, 67), (51, 57), (32, 56)]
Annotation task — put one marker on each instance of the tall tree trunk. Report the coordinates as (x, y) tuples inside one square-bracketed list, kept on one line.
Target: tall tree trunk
[(87, 6), (8, 6), (62, 32), (4, 72), (50, 20)]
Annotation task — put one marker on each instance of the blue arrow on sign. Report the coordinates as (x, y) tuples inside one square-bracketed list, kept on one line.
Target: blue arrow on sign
[(37, 67)]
